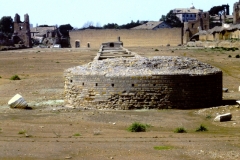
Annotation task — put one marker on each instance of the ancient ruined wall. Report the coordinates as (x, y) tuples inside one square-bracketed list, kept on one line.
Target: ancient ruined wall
[(172, 36), (202, 23), (22, 29), (236, 13), (135, 92)]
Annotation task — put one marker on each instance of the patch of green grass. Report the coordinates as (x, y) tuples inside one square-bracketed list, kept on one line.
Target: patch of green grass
[(77, 134), (137, 127), (15, 77), (163, 147), (180, 130), (22, 132), (209, 117), (201, 128)]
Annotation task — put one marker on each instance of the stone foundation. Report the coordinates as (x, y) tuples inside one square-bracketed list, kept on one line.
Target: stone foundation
[(142, 83)]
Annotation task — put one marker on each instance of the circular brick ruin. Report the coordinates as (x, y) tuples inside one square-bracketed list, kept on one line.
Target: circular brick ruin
[(144, 83)]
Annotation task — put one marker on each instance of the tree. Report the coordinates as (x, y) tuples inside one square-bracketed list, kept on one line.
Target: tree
[(220, 10), (111, 26), (88, 24), (64, 29), (171, 19), (6, 26), (130, 25)]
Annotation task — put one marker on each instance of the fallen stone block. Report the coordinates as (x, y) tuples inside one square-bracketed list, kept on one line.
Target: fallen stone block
[(225, 89), (17, 102), (238, 102), (223, 117)]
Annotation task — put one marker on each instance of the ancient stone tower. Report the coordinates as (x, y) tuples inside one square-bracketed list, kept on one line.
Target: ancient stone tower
[(22, 31), (236, 13)]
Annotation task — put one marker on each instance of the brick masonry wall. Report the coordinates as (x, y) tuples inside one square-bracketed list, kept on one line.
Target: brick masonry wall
[(156, 91), (130, 38)]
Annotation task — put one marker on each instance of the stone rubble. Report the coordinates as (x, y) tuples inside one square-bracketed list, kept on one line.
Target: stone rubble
[(139, 66)]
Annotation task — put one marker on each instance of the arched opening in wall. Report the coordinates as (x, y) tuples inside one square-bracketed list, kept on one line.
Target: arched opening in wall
[(111, 44), (77, 44)]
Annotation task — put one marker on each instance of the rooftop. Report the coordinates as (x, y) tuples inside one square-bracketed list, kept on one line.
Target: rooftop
[(149, 25)]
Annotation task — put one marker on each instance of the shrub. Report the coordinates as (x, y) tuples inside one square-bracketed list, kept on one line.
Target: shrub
[(156, 50), (201, 128), (238, 56), (77, 134), (137, 127), (22, 132), (162, 147), (0, 77), (208, 116), (180, 130), (15, 77), (229, 56)]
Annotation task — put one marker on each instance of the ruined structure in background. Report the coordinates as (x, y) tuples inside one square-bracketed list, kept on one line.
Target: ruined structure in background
[(194, 26), (230, 33), (236, 13), (21, 33), (44, 35), (135, 82)]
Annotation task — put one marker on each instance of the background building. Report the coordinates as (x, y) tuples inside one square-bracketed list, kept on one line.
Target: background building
[(186, 14)]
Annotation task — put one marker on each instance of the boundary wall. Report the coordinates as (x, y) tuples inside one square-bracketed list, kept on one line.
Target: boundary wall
[(130, 37)]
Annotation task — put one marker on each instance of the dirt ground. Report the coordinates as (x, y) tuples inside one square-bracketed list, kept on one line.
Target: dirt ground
[(52, 130)]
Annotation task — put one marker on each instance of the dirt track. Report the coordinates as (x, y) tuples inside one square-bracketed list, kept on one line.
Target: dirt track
[(50, 130)]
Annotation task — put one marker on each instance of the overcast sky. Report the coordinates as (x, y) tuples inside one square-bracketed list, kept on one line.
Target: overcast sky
[(78, 12)]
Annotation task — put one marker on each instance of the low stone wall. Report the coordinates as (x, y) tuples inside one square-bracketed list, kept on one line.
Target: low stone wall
[(137, 91), (213, 44)]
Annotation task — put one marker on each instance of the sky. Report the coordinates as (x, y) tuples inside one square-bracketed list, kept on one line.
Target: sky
[(99, 12)]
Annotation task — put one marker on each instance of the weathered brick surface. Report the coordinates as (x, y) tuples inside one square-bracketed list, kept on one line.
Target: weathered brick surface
[(136, 92)]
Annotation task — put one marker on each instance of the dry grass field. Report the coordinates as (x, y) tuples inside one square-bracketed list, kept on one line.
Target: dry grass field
[(52, 130)]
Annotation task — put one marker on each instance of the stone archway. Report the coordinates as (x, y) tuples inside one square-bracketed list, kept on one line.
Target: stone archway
[(77, 44)]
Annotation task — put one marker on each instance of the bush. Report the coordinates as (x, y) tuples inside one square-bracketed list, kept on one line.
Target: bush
[(162, 147), (229, 56), (156, 50), (238, 56), (22, 132), (180, 130), (201, 128), (15, 77), (77, 134), (137, 127), (0, 77), (209, 117)]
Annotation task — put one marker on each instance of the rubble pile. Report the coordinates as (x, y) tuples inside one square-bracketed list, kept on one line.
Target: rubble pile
[(139, 66)]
